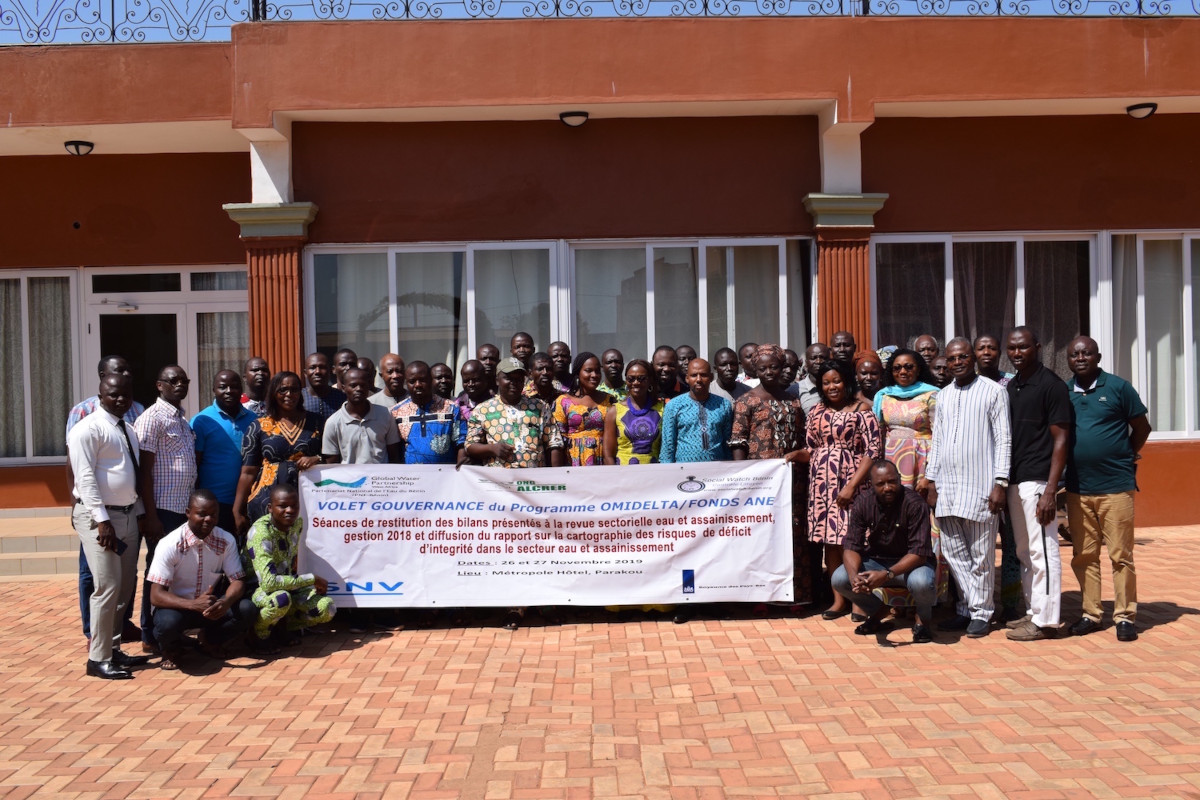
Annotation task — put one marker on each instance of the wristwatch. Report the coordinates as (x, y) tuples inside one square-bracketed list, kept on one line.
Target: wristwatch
[(1002, 483), (890, 574)]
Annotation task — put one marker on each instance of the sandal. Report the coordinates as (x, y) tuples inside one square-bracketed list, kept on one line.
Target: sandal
[(830, 613), (168, 664), (871, 626)]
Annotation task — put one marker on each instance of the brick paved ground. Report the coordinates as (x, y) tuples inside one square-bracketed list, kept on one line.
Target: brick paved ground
[(712, 709)]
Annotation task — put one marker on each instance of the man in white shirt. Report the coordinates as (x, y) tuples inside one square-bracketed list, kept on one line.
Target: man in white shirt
[(103, 451), (196, 582)]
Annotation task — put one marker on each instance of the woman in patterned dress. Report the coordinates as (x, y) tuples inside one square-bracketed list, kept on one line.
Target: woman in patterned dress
[(905, 407), (279, 445), (843, 440), (633, 426), (580, 414), (769, 423)]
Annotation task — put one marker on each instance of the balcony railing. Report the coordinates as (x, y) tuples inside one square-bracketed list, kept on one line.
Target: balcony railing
[(122, 21)]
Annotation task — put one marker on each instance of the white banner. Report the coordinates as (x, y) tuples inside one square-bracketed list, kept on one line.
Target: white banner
[(428, 536)]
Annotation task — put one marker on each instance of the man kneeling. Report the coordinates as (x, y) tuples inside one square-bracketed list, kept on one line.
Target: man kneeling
[(888, 544), (196, 582), (298, 601)]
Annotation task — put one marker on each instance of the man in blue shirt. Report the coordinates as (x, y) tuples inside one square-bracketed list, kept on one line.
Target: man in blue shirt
[(1110, 429), (696, 425), (219, 430)]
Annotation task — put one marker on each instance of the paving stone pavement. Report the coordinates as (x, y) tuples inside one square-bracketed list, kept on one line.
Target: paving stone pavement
[(716, 708)]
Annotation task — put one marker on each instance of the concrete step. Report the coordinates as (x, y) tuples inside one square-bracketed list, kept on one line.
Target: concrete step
[(42, 562)]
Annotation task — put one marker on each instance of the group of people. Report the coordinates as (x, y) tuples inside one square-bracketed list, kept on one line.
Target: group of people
[(897, 472)]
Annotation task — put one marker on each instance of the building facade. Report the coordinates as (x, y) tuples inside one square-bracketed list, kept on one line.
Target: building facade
[(409, 186)]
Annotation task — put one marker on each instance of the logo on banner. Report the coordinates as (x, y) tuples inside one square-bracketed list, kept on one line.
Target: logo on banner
[(373, 586), (534, 486), (691, 485), (346, 484), (689, 581)]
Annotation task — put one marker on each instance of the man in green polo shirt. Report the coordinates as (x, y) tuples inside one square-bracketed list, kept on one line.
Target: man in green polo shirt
[(1110, 429)]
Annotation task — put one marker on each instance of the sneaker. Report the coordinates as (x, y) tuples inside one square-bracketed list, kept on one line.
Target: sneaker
[(978, 628), (922, 634), (1084, 626), (1126, 631), (1027, 632), (958, 622), (1017, 623)]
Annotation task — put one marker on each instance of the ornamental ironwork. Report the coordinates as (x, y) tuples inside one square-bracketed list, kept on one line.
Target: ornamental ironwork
[(122, 21)]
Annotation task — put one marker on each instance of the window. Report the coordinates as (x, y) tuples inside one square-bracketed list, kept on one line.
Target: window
[(968, 286), (709, 296), (36, 327), (439, 302), (1154, 302)]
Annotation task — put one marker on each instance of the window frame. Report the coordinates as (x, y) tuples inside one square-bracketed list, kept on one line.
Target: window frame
[(1140, 378), (23, 276), (562, 279), (1019, 239)]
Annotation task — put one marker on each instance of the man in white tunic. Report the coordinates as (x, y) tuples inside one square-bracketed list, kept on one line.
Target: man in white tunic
[(968, 479)]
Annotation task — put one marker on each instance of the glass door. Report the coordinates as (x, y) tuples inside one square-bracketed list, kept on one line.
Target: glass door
[(149, 337)]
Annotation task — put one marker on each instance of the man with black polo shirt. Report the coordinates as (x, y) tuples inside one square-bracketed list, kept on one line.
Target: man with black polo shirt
[(1041, 423), (888, 543), (1110, 429)]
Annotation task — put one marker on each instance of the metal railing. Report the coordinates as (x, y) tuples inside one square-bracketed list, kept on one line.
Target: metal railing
[(121, 21)]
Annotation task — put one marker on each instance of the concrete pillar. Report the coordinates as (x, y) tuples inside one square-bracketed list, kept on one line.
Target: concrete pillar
[(274, 235)]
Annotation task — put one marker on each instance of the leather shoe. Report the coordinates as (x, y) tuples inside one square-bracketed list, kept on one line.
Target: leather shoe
[(681, 617), (124, 661), (978, 628), (1126, 631), (1084, 626), (958, 622), (922, 634), (107, 670)]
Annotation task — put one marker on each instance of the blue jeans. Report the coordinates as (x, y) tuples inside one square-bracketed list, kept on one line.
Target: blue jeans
[(921, 582)]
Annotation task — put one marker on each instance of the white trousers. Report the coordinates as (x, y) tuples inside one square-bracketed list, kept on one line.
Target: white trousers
[(969, 549), (1037, 548)]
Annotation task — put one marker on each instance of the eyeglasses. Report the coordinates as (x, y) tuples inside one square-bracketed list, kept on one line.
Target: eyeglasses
[(177, 381), (904, 367), (287, 390)]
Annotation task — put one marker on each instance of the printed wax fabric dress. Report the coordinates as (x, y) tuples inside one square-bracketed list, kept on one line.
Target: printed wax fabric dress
[(909, 426), (772, 428), (838, 442), (639, 433), (273, 448), (582, 428)]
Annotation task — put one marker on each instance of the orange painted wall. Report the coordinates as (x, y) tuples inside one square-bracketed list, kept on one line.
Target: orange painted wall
[(34, 487), (130, 210), (533, 180), (76, 85), (591, 63), (1033, 173)]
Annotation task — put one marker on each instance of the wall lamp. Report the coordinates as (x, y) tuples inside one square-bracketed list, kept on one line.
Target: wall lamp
[(78, 147), (1141, 110), (573, 119)]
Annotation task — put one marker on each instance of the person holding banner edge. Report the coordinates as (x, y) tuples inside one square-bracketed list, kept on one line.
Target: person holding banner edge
[(514, 432), (769, 423)]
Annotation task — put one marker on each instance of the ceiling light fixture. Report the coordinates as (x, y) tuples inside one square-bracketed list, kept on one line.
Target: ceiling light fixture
[(573, 119), (78, 147), (1141, 110)]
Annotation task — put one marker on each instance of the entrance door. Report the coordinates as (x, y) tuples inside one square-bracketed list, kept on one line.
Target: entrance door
[(149, 338)]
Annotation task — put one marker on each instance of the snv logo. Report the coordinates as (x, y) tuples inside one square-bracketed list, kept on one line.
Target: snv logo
[(360, 588)]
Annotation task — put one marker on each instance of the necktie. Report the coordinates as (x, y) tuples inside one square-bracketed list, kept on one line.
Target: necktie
[(137, 475)]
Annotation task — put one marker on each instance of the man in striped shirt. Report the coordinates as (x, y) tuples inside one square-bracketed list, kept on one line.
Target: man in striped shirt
[(968, 478)]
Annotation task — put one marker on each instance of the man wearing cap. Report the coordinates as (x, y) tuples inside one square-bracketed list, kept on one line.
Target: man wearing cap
[(512, 430)]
